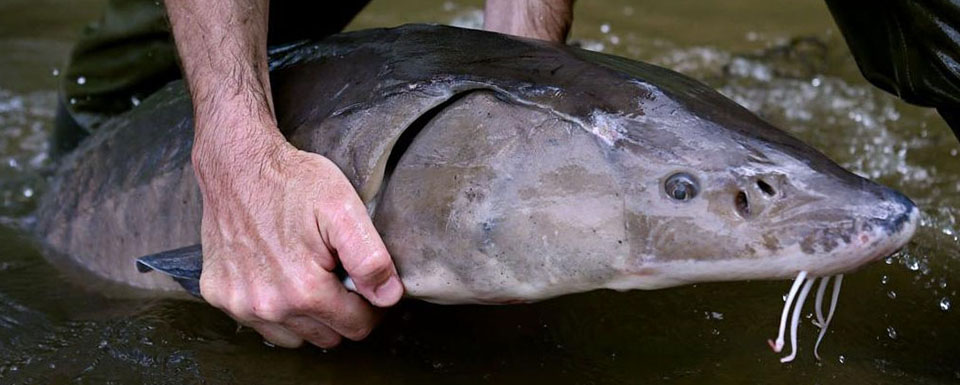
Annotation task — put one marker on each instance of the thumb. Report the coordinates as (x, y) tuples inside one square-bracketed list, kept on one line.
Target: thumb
[(364, 256)]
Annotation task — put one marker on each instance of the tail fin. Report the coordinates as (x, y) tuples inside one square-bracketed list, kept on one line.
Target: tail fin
[(184, 265)]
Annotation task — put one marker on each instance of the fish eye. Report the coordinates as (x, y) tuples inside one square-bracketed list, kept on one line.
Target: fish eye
[(681, 186)]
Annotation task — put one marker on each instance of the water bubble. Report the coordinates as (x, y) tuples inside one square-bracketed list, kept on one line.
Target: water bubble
[(27, 192), (81, 80), (135, 101), (945, 304), (842, 359), (953, 152), (73, 100), (816, 82), (605, 28), (891, 332), (614, 39), (55, 72), (892, 294), (912, 263), (713, 315), (884, 280)]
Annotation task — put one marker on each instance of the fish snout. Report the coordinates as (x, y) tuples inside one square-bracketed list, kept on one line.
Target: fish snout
[(900, 216), (887, 230)]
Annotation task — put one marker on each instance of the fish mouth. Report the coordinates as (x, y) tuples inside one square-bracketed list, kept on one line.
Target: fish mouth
[(898, 231), (878, 238)]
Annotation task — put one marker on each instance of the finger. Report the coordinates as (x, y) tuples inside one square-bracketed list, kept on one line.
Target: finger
[(277, 335), (364, 256), (271, 331), (313, 331), (345, 312)]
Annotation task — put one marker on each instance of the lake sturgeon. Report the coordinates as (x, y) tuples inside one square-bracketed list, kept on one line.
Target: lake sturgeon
[(500, 170)]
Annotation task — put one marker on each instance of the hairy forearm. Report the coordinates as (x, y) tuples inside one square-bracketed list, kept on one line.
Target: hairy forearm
[(539, 19), (222, 46)]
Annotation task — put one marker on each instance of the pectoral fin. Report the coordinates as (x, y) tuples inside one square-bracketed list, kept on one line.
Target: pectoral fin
[(184, 265)]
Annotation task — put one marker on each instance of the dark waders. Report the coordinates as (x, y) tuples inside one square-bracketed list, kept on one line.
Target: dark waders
[(910, 48)]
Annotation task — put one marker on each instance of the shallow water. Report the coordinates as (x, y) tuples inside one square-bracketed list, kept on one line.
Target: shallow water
[(897, 320)]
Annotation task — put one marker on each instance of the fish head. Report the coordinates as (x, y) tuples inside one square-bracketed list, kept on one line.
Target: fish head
[(726, 196)]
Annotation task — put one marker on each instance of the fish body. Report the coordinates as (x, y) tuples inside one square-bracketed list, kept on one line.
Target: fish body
[(500, 170)]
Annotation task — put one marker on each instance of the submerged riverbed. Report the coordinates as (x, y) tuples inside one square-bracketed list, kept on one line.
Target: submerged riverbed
[(898, 320)]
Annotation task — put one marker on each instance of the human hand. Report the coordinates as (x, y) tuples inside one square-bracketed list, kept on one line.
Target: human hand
[(276, 221)]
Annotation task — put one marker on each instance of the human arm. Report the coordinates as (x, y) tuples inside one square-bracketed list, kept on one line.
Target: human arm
[(276, 220), (538, 19)]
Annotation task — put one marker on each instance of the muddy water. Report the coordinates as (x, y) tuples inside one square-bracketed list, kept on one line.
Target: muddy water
[(897, 320)]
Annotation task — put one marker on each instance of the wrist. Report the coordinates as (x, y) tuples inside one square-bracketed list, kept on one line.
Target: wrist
[(233, 150)]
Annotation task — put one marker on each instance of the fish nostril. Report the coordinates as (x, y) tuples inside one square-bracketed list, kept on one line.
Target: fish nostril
[(742, 204), (766, 187)]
